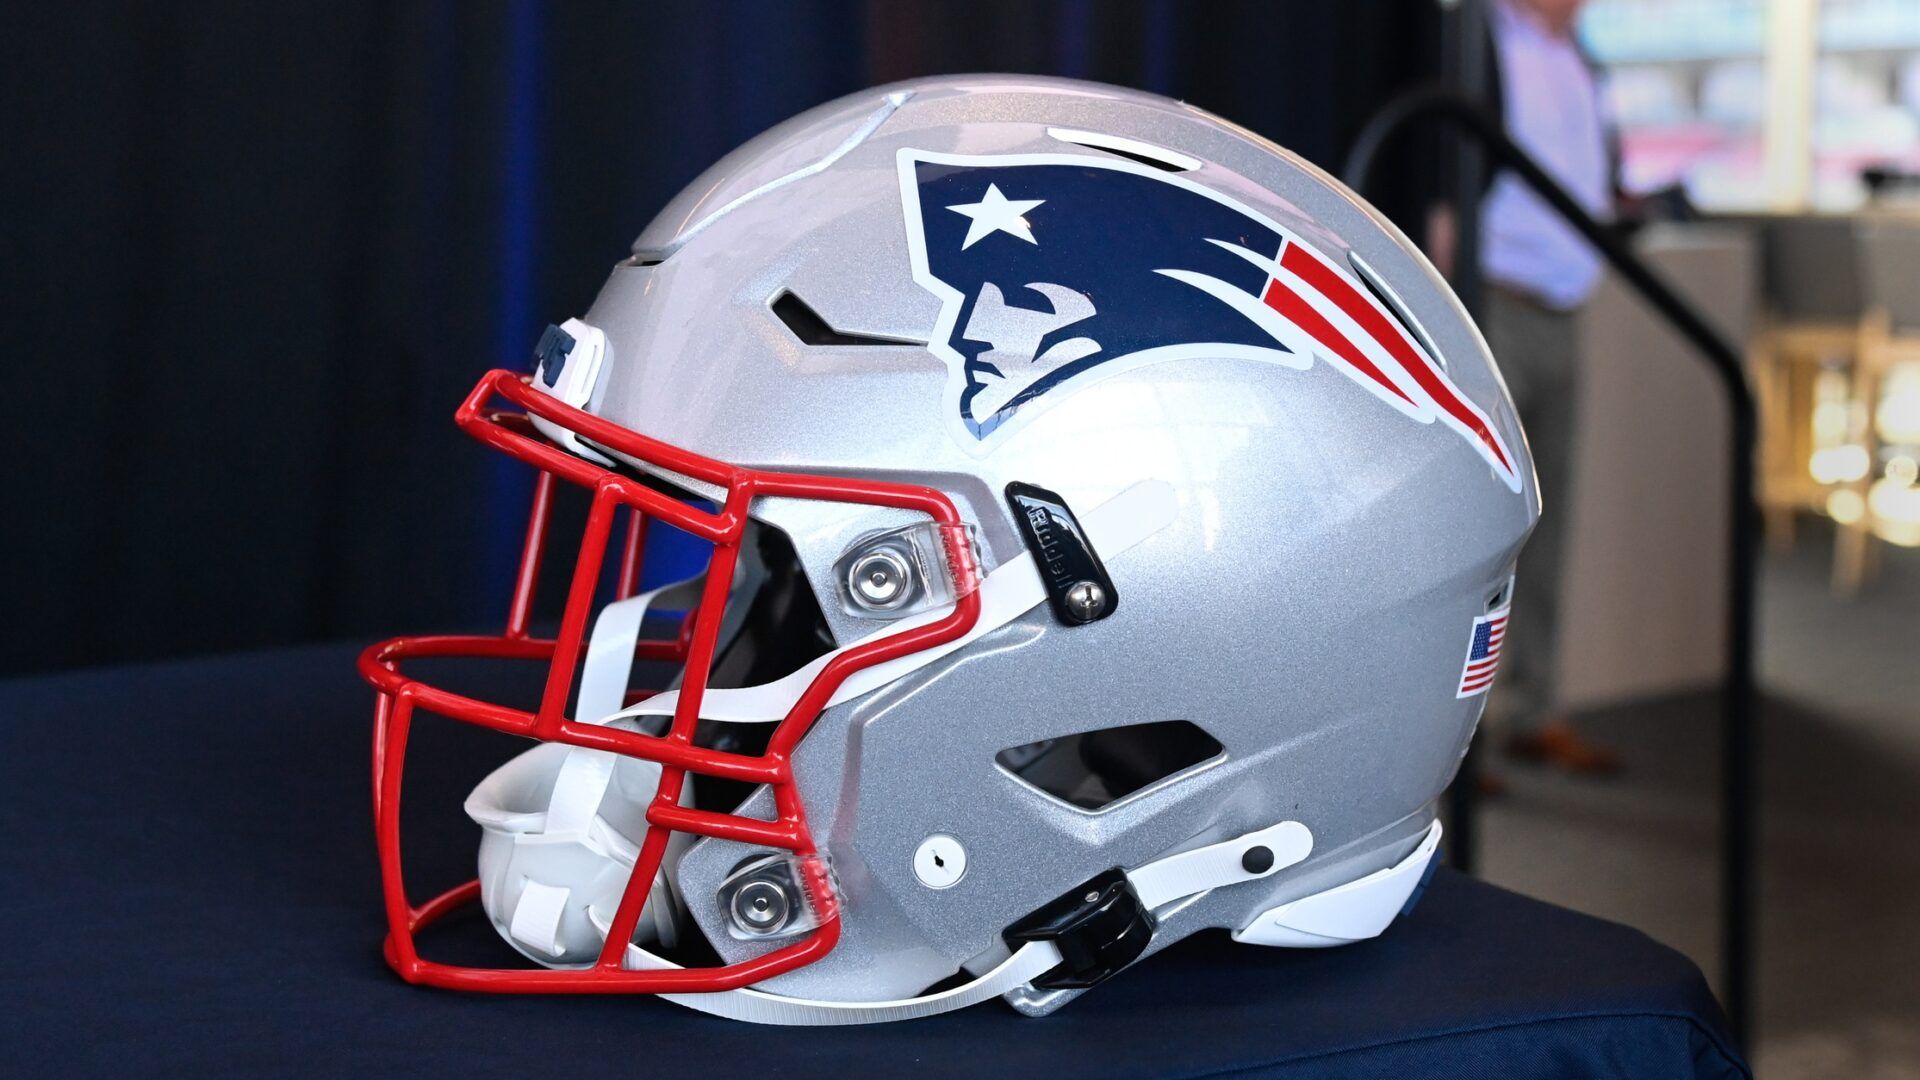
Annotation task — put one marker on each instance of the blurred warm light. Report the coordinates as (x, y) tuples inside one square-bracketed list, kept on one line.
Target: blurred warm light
[(1832, 412), (1895, 502), (1896, 511), (1898, 418), (1846, 506), (1838, 457), (1840, 464), (1830, 421)]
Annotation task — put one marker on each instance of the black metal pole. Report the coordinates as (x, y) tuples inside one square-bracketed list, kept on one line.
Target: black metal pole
[(1739, 727), (1465, 45)]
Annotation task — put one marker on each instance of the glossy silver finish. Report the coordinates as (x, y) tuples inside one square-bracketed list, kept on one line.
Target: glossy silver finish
[(1309, 607)]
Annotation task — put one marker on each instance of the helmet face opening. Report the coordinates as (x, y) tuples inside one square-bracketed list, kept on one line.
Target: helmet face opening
[(668, 740)]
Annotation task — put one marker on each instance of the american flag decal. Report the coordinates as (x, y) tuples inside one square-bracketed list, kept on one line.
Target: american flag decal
[(1483, 653)]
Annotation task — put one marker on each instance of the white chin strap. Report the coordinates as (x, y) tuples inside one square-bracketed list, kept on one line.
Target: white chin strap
[(1360, 909), (1157, 884)]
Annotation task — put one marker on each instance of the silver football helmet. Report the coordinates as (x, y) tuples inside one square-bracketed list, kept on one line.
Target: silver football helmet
[(1112, 521)]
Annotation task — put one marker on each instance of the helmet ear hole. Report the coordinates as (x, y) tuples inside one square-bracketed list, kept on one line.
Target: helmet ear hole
[(1500, 595), (1092, 770)]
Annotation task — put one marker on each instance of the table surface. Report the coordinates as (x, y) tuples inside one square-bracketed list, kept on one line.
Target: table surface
[(192, 889)]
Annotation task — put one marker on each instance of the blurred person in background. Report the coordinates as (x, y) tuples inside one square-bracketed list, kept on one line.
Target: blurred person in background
[(1537, 274)]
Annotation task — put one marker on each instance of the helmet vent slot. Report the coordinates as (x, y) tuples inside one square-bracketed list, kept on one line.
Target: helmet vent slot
[(1092, 770), (1391, 301), (811, 329), (1145, 153)]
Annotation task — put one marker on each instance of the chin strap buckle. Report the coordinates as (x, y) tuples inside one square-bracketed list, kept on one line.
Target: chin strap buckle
[(1099, 927), (1107, 922), (1106, 931)]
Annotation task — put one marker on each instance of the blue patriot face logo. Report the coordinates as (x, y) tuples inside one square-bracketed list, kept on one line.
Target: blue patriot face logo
[(1057, 269)]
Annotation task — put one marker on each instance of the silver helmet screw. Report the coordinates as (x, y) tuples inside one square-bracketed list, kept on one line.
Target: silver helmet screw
[(1086, 600), (880, 579), (760, 907)]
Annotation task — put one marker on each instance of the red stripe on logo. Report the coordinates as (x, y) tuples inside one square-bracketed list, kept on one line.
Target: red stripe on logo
[(1371, 319), (1301, 314)]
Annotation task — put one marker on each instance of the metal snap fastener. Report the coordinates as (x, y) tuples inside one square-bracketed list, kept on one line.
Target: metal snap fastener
[(880, 579), (760, 907)]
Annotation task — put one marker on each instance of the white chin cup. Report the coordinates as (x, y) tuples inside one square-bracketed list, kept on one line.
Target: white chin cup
[(561, 825), (547, 858)]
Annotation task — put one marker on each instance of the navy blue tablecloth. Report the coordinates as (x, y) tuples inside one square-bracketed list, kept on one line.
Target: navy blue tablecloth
[(190, 889)]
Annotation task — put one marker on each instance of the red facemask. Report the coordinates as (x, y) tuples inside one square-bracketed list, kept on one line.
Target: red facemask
[(674, 750)]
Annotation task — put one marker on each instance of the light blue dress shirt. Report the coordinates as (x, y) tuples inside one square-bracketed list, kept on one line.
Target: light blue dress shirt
[(1552, 108)]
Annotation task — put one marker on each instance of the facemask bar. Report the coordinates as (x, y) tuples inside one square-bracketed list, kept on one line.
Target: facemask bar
[(399, 695)]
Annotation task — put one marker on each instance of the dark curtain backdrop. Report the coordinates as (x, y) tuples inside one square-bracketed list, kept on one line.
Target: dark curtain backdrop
[(255, 253)]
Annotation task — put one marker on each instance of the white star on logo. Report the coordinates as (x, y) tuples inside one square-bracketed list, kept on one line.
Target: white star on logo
[(997, 213)]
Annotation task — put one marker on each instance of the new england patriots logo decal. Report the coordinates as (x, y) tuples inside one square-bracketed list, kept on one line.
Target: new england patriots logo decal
[(1053, 269)]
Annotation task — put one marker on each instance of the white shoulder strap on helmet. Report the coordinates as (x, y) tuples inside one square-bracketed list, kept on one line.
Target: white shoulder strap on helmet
[(1157, 883)]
